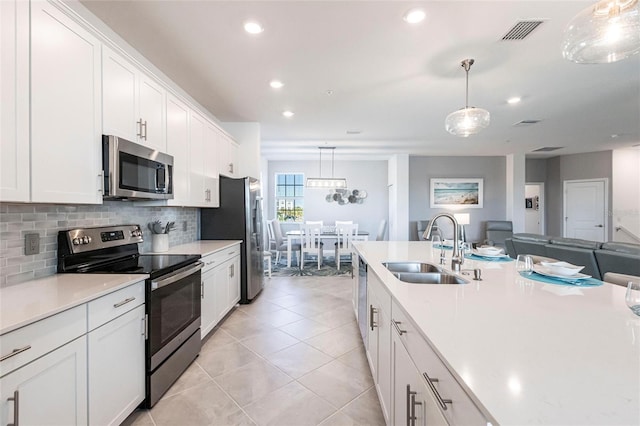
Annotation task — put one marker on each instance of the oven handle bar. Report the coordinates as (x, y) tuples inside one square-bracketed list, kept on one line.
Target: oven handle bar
[(176, 276)]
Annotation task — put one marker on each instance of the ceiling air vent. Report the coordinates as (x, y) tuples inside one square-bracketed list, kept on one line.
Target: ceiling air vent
[(521, 29), (526, 122), (548, 149)]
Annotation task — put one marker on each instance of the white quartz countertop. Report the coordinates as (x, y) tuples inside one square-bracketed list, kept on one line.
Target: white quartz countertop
[(25, 303), (528, 352), (202, 247)]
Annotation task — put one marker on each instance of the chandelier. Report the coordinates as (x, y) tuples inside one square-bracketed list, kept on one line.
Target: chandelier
[(468, 120), (323, 183), (608, 31)]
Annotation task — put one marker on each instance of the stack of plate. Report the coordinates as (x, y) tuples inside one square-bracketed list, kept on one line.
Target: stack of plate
[(560, 270)]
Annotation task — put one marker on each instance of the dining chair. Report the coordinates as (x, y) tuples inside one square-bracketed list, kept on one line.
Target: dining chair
[(318, 223), (310, 243), (281, 243), (346, 234), (382, 229), (343, 222), (272, 238)]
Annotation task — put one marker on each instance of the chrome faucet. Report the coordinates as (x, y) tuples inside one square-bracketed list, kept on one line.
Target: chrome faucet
[(456, 258)]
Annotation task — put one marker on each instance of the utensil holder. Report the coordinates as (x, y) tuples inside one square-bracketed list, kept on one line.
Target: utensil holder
[(160, 243)]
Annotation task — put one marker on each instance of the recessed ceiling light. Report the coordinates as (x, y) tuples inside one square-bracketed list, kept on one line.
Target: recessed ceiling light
[(276, 84), (514, 100), (414, 16), (354, 132), (288, 114), (253, 27)]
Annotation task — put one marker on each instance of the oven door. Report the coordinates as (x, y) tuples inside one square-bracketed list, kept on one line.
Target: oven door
[(173, 306)]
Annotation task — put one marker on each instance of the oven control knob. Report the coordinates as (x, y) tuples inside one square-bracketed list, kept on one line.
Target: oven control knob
[(76, 241), (85, 240)]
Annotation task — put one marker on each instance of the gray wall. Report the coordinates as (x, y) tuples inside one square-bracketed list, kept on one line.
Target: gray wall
[(592, 165), (535, 171), (370, 176), (16, 220), (491, 169)]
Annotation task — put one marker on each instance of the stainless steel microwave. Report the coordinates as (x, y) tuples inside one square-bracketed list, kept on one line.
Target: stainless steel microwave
[(134, 171)]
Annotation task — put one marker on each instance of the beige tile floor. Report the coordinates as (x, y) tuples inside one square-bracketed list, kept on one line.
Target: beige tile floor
[(292, 357)]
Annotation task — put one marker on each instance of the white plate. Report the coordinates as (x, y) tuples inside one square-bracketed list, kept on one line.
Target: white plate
[(562, 268), (544, 271), (489, 256), (491, 251)]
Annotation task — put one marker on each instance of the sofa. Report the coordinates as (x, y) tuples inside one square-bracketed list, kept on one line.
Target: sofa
[(598, 258)]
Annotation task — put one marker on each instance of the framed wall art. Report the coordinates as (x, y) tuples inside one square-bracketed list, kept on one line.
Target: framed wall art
[(456, 193)]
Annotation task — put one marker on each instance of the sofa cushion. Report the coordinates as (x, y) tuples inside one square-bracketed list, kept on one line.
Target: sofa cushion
[(577, 243), (623, 248), (536, 238)]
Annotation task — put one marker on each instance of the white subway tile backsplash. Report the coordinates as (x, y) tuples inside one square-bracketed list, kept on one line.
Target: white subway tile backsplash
[(16, 220)]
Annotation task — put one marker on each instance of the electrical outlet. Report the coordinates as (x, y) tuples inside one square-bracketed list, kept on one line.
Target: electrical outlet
[(184, 225), (31, 243)]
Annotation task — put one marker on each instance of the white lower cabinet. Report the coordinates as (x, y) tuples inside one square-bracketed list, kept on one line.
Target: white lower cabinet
[(220, 286), (413, 402), (117, 368), (52, 390), (379, 341), (440, 399)]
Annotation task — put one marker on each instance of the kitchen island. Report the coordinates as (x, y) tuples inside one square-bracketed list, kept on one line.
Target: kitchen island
[(524, 352)]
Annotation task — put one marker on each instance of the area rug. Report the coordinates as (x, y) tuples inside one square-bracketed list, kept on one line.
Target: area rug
[(327, 269)]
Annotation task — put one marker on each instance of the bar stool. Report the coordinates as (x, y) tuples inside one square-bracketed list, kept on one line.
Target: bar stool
[(266, 257)]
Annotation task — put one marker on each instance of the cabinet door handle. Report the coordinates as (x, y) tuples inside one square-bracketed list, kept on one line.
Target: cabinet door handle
[(372, 311), (101, 182), (443, 402), (16, 408), (202, 289), (145, 129), (411, 406), (232, 271), (15, 352), (124, 302), (396, 324), (230, 167), (145, 320), (139, 131)]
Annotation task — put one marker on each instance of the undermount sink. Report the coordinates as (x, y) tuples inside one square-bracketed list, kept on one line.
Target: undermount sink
[(429, 278), (422, 273), (416, 267)]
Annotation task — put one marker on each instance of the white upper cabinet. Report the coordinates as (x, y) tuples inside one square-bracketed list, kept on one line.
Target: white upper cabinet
[(65, 109), (178, 147), (228, 155), (14, 108), (133, 103)]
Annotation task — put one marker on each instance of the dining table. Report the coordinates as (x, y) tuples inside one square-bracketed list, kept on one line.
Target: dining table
[(325, 235)]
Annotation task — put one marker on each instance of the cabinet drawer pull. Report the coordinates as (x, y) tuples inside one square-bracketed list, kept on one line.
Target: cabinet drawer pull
[(16, 408), (15, 352), (443, 402), (372, 311), (396, 324), (124, 302)]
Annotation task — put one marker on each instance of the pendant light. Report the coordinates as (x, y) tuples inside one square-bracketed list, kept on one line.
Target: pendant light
[(468, 120), (608, 31), (320, 182)]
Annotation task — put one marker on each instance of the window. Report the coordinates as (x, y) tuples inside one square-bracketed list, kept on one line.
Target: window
[(289, 197)]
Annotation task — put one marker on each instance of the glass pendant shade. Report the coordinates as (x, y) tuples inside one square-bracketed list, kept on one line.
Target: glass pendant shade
[(608, 31), (467, 121)]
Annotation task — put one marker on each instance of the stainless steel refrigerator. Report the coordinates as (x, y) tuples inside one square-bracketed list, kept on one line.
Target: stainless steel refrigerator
[(239, 217)]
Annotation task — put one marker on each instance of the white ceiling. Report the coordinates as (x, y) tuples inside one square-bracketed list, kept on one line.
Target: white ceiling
[(392, 81)]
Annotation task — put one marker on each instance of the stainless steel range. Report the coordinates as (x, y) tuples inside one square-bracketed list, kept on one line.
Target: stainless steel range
[(172, 294)]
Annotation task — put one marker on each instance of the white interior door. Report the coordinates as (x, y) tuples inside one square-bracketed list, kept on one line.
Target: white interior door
[(534, 208), (585, 209)]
